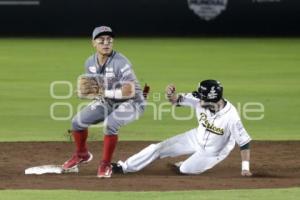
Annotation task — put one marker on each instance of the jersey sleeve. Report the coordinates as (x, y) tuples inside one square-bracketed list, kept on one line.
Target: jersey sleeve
[(88, 68), (187, 100), (126, 73), (239, 133)]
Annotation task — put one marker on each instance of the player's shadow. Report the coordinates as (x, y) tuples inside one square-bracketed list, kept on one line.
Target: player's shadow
[(265, 175)]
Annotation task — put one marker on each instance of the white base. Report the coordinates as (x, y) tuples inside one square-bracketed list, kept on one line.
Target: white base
[(49, 169)]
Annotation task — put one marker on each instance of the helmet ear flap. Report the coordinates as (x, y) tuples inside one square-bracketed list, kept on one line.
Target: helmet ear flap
[(196, 94)]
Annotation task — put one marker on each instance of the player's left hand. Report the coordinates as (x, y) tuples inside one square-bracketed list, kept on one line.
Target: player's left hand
[(171, 93), (246, 173), (89, 87), (170, 90)]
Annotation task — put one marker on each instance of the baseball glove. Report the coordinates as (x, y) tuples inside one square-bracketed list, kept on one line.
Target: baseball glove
[(90, 87)]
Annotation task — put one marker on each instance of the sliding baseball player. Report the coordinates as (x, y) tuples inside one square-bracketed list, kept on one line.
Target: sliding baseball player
[(220, 128)]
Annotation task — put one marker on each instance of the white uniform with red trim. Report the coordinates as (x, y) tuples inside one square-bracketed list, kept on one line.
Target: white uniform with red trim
[(209, 143)]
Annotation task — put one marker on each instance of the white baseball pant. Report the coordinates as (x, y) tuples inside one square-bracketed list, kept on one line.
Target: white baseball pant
[(183, 144)]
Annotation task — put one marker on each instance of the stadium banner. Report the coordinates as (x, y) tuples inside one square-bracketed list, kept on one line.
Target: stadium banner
[(151, 17)]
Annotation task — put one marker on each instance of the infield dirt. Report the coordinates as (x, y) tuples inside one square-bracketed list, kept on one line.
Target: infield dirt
[(274, 165)]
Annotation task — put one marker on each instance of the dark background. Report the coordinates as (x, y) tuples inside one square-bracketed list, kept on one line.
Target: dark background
[(150, 18)]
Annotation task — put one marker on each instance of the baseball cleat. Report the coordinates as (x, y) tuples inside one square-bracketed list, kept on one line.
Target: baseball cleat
[(117, 168), (76, 160), (104, 170)]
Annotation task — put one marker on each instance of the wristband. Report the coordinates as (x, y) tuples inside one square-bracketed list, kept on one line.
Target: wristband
[(245, 165), (118, 94), (113, 94), (109, 93)]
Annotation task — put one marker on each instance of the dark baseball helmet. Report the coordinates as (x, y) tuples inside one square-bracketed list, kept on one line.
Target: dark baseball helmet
[(210, 91)]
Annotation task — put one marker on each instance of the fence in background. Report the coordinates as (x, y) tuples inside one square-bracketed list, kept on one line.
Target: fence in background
[(151, 17)]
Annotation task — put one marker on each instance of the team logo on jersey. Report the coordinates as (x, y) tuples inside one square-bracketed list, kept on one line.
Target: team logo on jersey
[(207, 9), (109, 69), (93, 69), (109, 73), (210, 126)]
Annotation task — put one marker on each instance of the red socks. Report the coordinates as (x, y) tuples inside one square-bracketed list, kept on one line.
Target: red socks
[(109, 144), (80, 138)]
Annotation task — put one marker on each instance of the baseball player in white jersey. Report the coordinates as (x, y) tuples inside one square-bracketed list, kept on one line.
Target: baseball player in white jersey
[(211, 142), (123, 101)]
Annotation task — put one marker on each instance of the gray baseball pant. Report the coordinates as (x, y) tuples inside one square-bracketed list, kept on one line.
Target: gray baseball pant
[(113, 114)]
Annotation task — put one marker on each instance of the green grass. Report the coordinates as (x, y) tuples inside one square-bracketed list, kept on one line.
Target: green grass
[(251, 70), (261, 194)]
